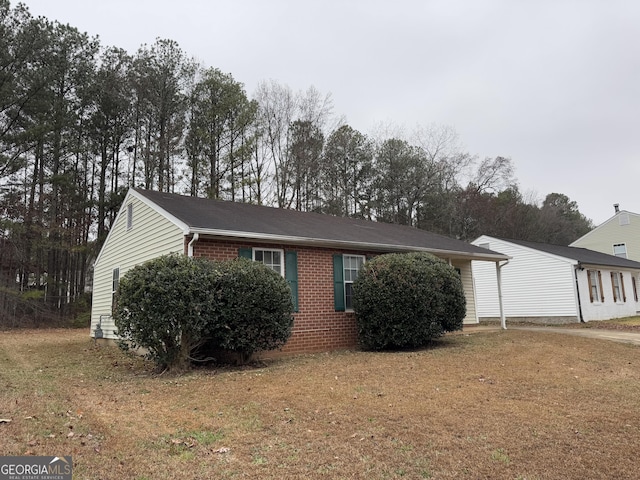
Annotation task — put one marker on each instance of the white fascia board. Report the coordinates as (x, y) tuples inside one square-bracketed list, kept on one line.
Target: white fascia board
[(115, 220), (271, 238), (161, 211)]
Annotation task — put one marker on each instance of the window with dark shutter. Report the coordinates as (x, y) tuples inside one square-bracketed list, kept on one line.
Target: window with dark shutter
[(273, 259)]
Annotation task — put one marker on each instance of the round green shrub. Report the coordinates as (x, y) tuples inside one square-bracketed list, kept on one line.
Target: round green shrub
[(255, 308), (172, 305), (406, 300), (166, 307)]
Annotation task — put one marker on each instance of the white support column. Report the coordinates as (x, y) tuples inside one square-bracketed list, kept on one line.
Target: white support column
[(503, 320)]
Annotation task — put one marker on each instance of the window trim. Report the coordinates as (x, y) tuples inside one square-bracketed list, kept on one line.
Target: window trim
[(634, 284), (290, 266), (344, 277), (278, 250)]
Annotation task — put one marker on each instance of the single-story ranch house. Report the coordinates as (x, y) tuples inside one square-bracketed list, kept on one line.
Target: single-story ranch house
[(319, 255), (556, 284)]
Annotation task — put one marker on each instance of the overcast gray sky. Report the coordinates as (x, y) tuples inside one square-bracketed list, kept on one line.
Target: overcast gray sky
[(552, 84)]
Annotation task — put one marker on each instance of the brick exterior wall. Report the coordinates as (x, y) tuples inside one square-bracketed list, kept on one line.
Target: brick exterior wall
[(317, 326)]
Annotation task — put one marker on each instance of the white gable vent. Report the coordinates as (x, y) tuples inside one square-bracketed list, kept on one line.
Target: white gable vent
[(624, 219)]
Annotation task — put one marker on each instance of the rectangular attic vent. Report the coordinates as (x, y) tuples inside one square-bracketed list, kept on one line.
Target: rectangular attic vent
[(624, 219)]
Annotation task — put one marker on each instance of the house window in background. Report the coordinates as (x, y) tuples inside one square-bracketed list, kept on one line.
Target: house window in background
[(595, 286), (620, 250), (618, 287)]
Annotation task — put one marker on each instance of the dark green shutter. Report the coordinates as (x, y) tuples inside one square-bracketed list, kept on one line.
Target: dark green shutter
[(245, 253), (291, 275), (338, 283)]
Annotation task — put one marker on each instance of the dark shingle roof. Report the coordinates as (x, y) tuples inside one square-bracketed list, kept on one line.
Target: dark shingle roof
[(212, 217), (582, 255)]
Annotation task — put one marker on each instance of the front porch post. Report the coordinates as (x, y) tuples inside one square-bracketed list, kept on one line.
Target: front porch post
[(503, 320)]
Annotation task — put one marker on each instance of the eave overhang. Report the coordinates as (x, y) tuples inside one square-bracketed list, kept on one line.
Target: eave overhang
[(341, 244)]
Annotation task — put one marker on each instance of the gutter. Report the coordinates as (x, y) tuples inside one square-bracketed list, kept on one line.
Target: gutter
[(196, 237), (575, 274)]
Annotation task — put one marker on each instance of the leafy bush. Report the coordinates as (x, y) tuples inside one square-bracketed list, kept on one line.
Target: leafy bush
[(406, 300), (166, 306), (255, 308), (173, 304)]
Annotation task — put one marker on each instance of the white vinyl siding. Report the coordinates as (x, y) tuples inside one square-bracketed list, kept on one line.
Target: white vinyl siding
[(610, 233), (153, 235), (537, 284), (534, 284)]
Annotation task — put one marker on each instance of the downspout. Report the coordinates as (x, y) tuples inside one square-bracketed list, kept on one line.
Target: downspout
[(503, 320), (575, 274), (195, 238)]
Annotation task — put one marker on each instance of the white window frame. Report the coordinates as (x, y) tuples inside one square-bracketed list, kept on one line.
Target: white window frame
[(351, 279), (620, 253), (271, 265)]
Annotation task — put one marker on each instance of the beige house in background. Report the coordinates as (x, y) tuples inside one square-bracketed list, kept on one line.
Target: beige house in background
[(619, 236)]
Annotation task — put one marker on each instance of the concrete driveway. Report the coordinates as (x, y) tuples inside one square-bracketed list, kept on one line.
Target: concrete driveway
[(611, 335)]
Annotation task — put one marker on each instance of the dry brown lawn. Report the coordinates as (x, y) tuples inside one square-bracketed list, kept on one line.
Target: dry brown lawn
[(494, 405)]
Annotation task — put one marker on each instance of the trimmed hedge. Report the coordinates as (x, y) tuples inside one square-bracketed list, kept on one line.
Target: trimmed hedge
[(255, 308), (166, 307), (407, 300), (173, 304)]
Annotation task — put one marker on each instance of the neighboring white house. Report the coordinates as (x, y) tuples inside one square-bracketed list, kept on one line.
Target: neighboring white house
[(555, 284), (619, 236)]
